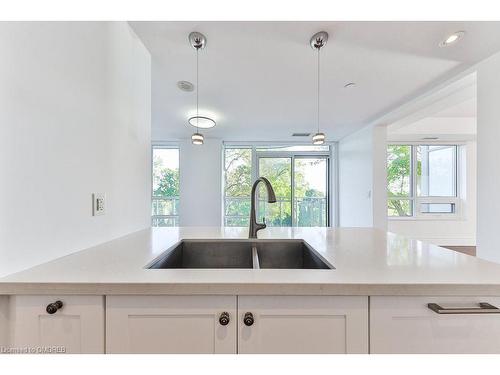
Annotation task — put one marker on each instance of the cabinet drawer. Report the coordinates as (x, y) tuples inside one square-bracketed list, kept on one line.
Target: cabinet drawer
[(170, 324), (303, 324), (75, 327), (408, 325)]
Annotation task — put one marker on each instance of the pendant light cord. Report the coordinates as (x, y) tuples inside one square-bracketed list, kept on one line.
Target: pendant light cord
[(197, 90), (318, 85)]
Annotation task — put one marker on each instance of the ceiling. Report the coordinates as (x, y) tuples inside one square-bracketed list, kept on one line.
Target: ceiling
[(466, 108), (258, 79), (450, 114)]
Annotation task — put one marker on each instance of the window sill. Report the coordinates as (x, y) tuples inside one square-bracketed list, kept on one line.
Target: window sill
[(428, 218)]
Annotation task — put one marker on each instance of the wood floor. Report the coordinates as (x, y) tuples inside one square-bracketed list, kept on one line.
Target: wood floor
[(469, 250)]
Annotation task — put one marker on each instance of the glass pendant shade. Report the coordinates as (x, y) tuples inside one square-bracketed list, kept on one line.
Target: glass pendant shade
[(197, 139), (318, 138)]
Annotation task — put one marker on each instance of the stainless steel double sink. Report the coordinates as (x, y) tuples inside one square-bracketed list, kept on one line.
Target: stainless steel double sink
[(228, 253)]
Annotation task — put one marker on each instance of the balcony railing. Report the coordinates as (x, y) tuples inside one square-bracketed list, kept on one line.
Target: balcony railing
[(165, 212), (308, 211), (311, 212)]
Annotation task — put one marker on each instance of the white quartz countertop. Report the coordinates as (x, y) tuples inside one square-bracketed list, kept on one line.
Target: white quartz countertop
[(367, 262)]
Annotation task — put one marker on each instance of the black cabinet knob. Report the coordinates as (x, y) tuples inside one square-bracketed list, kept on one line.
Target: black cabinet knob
[(224, 319), (53, 307), (248, 319)]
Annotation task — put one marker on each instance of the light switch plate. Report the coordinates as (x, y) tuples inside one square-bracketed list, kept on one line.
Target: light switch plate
[(98, 204)]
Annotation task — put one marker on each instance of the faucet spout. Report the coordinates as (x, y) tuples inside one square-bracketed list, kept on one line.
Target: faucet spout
[(271, 198)]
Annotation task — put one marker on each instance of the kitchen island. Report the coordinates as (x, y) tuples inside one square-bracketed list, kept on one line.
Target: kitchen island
[(375, 300)]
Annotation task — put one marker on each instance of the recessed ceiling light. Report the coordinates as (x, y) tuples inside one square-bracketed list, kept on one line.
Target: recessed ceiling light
[(453, 38), (350, 85), (185, 86), (201, 122)]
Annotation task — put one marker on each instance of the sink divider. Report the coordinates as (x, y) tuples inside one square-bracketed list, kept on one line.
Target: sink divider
[(255, 258)]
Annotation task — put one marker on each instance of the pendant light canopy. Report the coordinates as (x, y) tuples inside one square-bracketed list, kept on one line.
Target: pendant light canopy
[(198, 41), (317, 42)]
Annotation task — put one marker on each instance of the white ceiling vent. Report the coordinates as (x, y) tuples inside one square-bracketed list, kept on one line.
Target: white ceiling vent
[(301, 134)]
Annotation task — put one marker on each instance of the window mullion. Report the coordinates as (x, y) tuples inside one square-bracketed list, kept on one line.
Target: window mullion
[(455, 171), (292, 190), (414, 171)]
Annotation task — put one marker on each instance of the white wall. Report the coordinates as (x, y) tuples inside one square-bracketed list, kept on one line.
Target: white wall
[(362, 178), (75, 119), (465, 127), (488, 169), (200, 183), (4, 320), (379, 194)]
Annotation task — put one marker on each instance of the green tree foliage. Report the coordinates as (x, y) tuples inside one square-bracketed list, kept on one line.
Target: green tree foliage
[(238, 184), (166, 190), (238, 172), (165, 180), (278, 172)]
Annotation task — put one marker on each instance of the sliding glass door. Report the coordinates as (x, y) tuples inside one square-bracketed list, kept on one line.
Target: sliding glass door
[(298, 173), (278, 170), (310, 191), (301, 186)]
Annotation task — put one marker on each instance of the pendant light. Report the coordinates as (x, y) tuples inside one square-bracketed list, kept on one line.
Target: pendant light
[(198, 41), (317, 42)]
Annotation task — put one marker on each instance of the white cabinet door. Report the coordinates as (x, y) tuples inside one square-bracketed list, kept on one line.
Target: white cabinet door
[(407, 325), (303, 324), (76, 327), (170, 324)]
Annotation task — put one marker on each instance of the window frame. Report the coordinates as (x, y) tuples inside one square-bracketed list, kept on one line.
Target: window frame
[(164, 145), (329, 155), (416, 200)]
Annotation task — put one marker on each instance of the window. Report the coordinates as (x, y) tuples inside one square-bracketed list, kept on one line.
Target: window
[(165, 186), (300, 178), (237, 186), (422, 180), (399, 192), (436, 173)]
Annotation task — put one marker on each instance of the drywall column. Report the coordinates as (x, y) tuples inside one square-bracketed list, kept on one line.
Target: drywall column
[(379, 182), (75, 119), (4, 322), (362, 171), (488, 172), (200, 183)]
